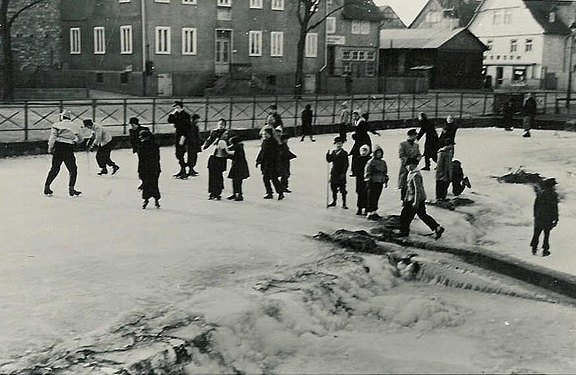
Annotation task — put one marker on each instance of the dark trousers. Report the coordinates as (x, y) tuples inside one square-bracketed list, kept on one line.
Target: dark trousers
[(192, 159), (180, 152), (361, 192), (284, 180), (538, 229), (403, 193), (103, 155), (150, 187), (237, 186), (343, 132), (270, 180), (442, 189), (374, 190), (458, 188), (408, 213), (215, 182), (63, 153), (338, 187)]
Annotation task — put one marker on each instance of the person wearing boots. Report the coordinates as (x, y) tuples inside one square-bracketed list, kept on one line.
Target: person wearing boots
[(444, 169), (64, 136), (508, 116), (409, 149), (415, 202), (135, 129), (217, 162), (545, 215), (376, 177), (307, 119), (267, 160), (102, 139), (239, 169), (339, 159), (181, 120), (345, 121), (358, 169), (428, 129), (459, 181), (194, 145), (529, 112), (285, 156), (149, 168)]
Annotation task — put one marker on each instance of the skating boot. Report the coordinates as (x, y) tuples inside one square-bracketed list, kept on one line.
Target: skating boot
[(157, 203), (47, 190), (103, 171), (269, 196), (232, 197), (281, 196), (115, 169), (145, 204), (73, 192), (239, 198), (333, 204), (439, 231), (359, 212)]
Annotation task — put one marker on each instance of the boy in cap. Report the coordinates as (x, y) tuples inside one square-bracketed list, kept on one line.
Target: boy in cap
[(409, 149), (415, 202), (135, 129), (339, 159), (181, 120), (358, 168), (376, 177), (545, 215), (267, 160), (63, 137), (102, 139)]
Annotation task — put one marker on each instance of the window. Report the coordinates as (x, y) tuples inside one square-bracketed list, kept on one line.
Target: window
[(311, 48), (276, 44), (552, 17), (370, 55), (529, 44), (277, 4), (125, 40), (497, 17), (361, 55), (360, 27), (365, 28), (163, 45), (75, 41), (162, 1), (224, 3), (192, 2), (330, 25), (256, 4), (354, 55), (345, 55), (188, 41), (519, 74), (124, 78), (507, 16), (255, 43), (123, 1), (513, 45), (370, 69), (99, 41)]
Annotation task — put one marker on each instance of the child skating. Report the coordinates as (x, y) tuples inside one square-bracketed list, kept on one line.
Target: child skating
[(545, 215), (376, 178), (239, 169), (284, 158), (358, 168), (149, 168), (339, 159)]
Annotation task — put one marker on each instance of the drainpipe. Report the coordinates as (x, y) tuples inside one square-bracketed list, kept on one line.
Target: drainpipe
[(144, 48)]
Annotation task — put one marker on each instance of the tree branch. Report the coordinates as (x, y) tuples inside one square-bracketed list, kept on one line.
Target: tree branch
[(15, 15)]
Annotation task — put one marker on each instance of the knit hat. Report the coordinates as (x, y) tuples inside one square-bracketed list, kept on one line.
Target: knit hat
[(134, 120), (195, 116), (66, 114), (365, 149), (549, 182), (338, 140), (378, 148), (178, 103), (412, 132)]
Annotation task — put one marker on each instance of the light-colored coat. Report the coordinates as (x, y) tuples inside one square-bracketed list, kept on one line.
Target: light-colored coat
[(407, 150), (444, 165), (415, 188), (101, 135), (65, 131)]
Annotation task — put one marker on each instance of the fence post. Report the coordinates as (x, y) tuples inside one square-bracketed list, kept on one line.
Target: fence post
[(253, 112), (461, 104), (153, 115), (485, 103), (231, 111), (413, 105), (296, 111), (334, 109), (368, 104), (383, 108), (26, 120), (351, 104), (125, 106), (206, 114), (399, 105), (315, 109), (61, 106), (436, 105), (545, 101), (556, 107), (94, 105)]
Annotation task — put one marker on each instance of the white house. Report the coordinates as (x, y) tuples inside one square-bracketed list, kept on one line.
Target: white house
[(528, 41)]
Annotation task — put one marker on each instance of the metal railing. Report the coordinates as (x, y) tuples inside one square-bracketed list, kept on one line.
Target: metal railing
[(31, 120)]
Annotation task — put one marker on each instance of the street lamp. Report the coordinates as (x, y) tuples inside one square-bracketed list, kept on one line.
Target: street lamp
[(570, 67)]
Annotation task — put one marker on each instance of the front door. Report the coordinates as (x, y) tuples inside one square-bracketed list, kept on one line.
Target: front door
[(223, 51), (499, 76)]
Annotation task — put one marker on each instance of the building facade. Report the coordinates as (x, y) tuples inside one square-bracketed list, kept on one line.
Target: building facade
[(528, 42), (445, 14)]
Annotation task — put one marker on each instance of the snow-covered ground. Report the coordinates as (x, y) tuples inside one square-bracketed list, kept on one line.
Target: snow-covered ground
[(72, 267)]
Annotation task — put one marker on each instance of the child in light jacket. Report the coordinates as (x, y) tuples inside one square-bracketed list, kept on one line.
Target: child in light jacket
[(376, 177)]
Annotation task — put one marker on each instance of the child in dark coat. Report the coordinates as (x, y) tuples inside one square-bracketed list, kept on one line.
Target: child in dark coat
[(149, 167), (268, 161), (358, 168), (339, 160), (376, 177), (284, 158), (459, 181), (545, 215), (239, 169)]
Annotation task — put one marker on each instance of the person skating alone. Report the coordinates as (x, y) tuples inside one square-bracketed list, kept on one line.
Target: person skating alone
[(428, 129), (181, 120), (217, 161), (345, 122), (545, 215), (307, 120), (409, 149), (239, 169), (376, 177), (149, 168), (64, 136), (102, 139), (508, 116), (444, 169), (529, 112), (194, 145), (358, 169), (285, 156), (339, 159), (415, 202), (267, 160)]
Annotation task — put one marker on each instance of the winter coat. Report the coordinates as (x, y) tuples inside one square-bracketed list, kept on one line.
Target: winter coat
[(307, 118), (65, 131), (408, 150), (284, 157), (215, 135), (546, 208), (360, 137), (135, 137), (359, 165), (194, 141), (268, 157), (340, 164), (508, 113), (239, 169), (415, 188), (529, 109), (444, 164), (101, 135), (431, 145), (149, 159), (457, 173), (376, 171), (274, 119), (181, 121)]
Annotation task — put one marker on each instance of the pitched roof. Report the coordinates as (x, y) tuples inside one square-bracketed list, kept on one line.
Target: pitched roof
[(362, 10), (417, 38), (461, 9), (541, 10)]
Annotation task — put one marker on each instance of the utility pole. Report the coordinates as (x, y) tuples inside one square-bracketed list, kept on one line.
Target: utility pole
[(570, 66), (144, 46)]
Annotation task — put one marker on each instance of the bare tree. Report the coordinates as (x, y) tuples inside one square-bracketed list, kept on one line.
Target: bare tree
[(8, 16), (310, 16)]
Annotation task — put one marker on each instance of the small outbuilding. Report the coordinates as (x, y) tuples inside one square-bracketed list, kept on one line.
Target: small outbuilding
[(450, 59)]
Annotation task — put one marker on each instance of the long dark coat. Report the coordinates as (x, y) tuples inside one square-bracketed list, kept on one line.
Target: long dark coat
[(135, 137), (361, 138), (181, 121), (340, 166), (284, 157), (194, 141), (268, 157), (239, 169), (307, 117), (149, 159), (545, 208), (428, 129)]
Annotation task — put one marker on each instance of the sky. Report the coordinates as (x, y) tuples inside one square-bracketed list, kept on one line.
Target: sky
[(406, 9)]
